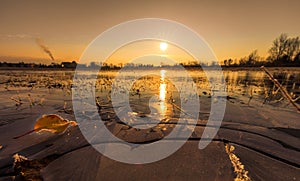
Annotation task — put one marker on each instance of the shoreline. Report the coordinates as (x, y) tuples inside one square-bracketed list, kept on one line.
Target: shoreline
[(143, 68)]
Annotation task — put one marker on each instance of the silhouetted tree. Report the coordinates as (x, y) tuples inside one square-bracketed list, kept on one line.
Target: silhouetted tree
[(293, 47), (243, 61), (253, 58), (229, 62), (278, 47), (297, 59), (284, 49), (225, 62)]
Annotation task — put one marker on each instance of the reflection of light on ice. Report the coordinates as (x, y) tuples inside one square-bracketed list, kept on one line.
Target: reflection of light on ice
[(163, 108), (163, 86), (162, 74), (162, 92)]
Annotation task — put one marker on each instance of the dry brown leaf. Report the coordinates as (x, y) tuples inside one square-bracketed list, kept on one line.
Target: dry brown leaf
[(52, 123)]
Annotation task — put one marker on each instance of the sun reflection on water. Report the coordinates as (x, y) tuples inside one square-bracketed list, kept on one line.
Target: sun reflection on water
[(162, 93)]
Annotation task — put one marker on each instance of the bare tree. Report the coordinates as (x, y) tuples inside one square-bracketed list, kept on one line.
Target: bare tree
[(229, 61), (278, 47), (284, 48), (253, 58), (225, 62), (293, 47)]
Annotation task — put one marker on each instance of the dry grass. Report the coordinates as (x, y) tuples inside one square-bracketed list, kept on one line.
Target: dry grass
[(30, 169)]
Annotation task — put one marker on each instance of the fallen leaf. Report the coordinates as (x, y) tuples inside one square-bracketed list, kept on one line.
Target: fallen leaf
[(52, 123)]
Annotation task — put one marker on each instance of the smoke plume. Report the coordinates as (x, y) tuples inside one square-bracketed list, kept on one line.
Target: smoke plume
[(44, 48)]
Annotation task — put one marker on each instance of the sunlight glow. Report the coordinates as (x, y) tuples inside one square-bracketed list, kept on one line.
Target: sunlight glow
[(163, 108), (163, 46), (162, 92)]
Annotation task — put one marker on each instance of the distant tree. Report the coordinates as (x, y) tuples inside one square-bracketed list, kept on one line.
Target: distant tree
[(193, 64), (229, 62), (293, 47), (284, 49), (235, 62), (243, 61), (120, 65), (278, 47), (253, 58), (225, 62), (297, 59)]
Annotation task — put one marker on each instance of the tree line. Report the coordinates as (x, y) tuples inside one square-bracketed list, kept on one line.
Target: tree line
[(284, 52)]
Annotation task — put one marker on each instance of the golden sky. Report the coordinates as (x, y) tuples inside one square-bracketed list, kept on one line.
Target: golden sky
[(232, 28)]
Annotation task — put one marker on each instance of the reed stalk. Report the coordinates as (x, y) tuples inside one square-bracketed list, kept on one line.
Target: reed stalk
[(281, 88)]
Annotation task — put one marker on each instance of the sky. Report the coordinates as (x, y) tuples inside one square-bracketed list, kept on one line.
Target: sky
[(232, 28)]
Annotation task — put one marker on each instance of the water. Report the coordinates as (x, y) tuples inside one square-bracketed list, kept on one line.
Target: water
[(238, 82), (155, 93)]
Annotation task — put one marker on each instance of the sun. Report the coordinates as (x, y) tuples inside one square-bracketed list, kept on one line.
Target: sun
[(163, 46)]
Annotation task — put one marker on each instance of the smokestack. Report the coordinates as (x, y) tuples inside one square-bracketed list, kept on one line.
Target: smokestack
[(44, 48)]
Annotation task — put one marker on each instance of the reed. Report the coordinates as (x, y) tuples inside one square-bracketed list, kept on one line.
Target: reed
[(281, 88)]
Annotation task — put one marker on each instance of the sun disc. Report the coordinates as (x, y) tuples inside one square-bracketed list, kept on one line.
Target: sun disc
[(163, 46)]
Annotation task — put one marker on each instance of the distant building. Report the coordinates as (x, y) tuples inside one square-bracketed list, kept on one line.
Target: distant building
[(69, 64)]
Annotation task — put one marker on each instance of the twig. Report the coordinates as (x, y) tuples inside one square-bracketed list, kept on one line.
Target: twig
[(65, 109), (17, 101), (282, 89), (296, 99), (181, 110), (30, 101), (251, 96)]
